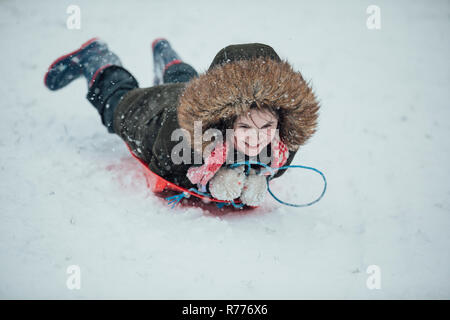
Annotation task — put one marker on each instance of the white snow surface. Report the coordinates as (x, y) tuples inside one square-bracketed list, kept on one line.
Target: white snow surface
[(71, 194)]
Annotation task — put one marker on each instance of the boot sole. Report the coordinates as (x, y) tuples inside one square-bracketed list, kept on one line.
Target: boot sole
[(83, 46), (156, 41)]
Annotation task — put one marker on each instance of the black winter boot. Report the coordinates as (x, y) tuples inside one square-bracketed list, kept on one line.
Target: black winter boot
[(167, 64), (88, 60)]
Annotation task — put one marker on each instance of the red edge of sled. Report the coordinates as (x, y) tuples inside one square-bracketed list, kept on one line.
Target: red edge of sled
[(159, 184)]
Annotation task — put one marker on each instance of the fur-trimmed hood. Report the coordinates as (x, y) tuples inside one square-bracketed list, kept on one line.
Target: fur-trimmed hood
[(241, 75)]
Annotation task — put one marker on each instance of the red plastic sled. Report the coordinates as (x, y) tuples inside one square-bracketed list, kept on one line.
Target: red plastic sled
[(158, 184)]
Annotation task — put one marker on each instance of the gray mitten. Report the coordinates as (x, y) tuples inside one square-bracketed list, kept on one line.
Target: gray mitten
[(254, 190), (227, 183)]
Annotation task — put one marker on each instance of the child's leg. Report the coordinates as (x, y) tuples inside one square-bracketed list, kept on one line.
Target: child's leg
[(107, 80), (108, 88), (168, 66)]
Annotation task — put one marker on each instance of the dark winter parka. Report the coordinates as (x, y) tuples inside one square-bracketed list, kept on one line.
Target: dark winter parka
[(238, 76)]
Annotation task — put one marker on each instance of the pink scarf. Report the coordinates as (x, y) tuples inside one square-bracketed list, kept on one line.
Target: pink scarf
[(218, 156)]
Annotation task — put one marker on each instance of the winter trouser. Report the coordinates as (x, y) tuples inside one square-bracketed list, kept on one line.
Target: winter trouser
[(113, 82)]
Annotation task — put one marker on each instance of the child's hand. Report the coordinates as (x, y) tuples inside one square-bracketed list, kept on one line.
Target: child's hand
[(227, 183), (254, 190)]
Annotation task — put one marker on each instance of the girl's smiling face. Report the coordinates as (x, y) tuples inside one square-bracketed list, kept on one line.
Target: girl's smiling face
[(254, 131)]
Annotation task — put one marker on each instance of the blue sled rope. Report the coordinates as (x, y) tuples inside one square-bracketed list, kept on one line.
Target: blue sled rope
[(177, 198)]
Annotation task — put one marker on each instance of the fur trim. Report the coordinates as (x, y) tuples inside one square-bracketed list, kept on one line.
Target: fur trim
[(229, 89)]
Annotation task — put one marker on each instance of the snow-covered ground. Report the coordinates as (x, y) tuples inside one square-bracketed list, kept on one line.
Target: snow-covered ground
[(71, 194)]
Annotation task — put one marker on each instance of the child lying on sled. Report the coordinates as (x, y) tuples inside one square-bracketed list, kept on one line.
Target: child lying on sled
[(269, 108)]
